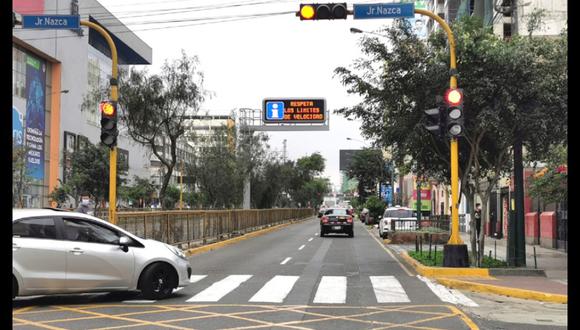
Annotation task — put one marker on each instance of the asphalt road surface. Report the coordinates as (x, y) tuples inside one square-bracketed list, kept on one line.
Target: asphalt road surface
[(287, 279)]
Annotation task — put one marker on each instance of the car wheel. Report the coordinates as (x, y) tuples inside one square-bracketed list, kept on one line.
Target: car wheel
[(322, 232), (351, 234), (385, 235), (158, 281)]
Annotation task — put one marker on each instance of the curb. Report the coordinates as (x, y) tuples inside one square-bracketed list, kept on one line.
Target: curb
[(504, 291), (217, 245), (444, 271)]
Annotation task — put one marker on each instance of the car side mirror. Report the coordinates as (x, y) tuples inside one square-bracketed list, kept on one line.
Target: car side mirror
[(380, 216), (124, 243)]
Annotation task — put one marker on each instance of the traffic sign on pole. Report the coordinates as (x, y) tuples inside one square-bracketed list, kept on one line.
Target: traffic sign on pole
[(51, 22), (384, 10)]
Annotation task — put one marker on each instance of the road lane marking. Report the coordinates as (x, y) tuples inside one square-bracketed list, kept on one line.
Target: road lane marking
[(388, 289), (285, 261), (331, 290), (311, 238), (196, 278), (139, 301), (219, 289), (275, 290), (391, 254), (300, 248), (451, 296)]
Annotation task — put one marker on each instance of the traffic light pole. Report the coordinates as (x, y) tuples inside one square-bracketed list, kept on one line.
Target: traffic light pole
[(455, 251), (114, 98)]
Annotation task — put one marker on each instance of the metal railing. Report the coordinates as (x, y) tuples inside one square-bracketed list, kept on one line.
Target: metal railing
[(200, 227), (429, 224)]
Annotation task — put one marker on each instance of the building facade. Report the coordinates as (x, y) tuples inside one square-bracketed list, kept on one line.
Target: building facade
[(54, 75)]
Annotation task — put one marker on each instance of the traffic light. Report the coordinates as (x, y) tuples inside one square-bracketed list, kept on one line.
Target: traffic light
[(455, 119), (109, 130), (312, 11), (435, 120)]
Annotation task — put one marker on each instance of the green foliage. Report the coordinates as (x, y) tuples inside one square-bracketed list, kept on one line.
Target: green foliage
[(171, 198), (376, 206), (20, 178), (60, 194), (90, 173), (140, 190), (552, 186), (368, 167), (436, 260), (154, 107)]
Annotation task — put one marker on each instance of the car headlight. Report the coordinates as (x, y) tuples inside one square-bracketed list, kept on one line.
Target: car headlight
[(177, 251)]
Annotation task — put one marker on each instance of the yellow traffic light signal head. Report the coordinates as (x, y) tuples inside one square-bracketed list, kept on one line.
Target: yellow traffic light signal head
[(307, 12), (107, 108)]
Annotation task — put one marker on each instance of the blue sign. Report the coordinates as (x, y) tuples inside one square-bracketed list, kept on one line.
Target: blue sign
[(384, 10), (17, 127), (274, 110), (51, 21)]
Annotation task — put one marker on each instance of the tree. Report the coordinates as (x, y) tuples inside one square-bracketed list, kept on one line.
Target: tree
[(551, 183), (214, 171), (513, 89), (20, 178), (139, 193), (154, 108), (90, 173), (369, 168)]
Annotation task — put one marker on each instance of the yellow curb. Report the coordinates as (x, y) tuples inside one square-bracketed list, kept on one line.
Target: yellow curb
[(444, 271), (504, 291), (234, 240)]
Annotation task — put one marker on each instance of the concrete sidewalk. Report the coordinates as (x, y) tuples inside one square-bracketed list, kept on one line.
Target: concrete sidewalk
[(553, 262)]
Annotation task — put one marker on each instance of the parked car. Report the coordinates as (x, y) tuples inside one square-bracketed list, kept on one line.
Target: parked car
[(403, 217), (56, 252), (336, 220)]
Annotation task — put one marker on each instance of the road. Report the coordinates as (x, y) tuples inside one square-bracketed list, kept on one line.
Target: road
[(287, 279)]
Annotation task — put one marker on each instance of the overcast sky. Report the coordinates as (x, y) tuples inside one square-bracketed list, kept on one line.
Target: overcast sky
[(248, 60)]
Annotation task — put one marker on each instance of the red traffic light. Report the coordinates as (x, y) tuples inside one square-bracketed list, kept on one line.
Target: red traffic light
[(453, 96)]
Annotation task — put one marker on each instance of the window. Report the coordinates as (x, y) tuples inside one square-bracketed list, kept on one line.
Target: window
[(34, 228), (336, 212), (81, 230), (399, 214)]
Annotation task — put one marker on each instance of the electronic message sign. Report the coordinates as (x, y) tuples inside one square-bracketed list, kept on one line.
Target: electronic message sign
[(282, 111)]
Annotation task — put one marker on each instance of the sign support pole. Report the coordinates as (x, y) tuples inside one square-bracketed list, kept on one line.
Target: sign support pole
[(114, 98), (455, 251)]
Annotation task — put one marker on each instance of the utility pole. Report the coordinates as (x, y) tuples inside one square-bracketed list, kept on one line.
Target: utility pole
[(516, 231)]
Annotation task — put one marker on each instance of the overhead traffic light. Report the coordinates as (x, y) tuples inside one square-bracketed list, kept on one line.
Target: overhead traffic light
[(322, 11), (109, 130), (455, 119)]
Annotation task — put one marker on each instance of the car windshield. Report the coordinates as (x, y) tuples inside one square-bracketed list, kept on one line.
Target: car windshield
[(336, 212), (399, 214)]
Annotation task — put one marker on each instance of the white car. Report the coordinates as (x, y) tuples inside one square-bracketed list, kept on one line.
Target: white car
[(56, 252), (397, 213)]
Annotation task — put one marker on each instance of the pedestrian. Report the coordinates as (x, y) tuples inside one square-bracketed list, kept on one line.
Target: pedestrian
[(477, 219), (85, 205)]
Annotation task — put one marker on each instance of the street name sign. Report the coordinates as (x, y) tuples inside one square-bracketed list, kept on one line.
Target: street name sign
[(384, 10), (294, 110), (51, 22)]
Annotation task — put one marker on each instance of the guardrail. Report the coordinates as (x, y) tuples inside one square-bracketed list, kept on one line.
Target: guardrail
[(435, 224), (200, 227)]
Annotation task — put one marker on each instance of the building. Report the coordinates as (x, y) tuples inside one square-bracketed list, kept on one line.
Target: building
[(54, 73)]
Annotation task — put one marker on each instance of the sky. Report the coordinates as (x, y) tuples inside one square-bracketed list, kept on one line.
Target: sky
[(246, 61)]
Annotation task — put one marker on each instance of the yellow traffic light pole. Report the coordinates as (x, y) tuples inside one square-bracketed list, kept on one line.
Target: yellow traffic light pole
[(454, 238), (114, 98)]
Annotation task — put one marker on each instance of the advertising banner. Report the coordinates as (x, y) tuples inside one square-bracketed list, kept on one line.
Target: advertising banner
[(419, 22), (35, 116), (17, 127)]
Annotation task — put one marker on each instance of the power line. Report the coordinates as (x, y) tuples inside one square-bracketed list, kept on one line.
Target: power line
[(214, 20)]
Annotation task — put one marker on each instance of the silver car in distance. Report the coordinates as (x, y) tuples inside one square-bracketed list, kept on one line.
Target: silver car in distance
[(58, 252)]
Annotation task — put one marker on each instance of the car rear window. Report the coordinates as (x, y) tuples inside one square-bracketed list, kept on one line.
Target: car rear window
[(399, 214), (336, 212)]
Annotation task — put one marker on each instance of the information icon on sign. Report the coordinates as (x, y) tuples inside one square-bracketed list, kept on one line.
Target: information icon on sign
[(274, 110)]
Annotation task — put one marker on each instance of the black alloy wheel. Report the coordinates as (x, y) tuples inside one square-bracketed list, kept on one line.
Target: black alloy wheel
[(158, 282)]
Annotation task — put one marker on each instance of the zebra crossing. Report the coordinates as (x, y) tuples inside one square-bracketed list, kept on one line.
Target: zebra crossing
[(330, 290)]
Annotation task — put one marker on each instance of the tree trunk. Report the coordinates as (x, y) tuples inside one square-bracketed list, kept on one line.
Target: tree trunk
[(164, 185)]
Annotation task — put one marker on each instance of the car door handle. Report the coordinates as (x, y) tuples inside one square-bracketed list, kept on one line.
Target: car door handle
[(77, 251)]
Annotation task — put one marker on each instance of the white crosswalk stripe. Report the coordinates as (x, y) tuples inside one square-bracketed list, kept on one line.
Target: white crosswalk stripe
[(275, 290), (219, 289), (196, 278), (331, 290), (388, 289), (451, 296)]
